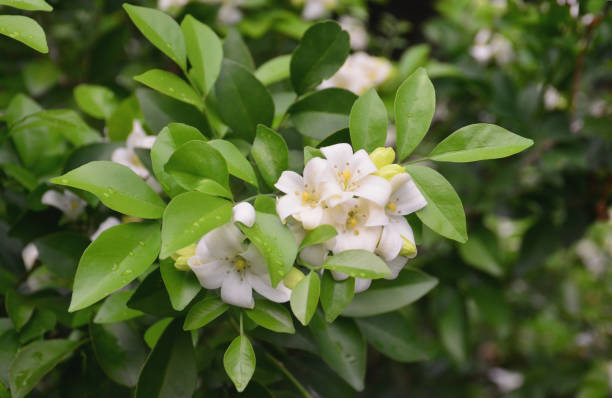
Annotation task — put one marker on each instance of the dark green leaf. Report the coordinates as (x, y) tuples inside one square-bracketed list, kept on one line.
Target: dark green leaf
[(270, 153), (60, 252), (159, 111), (114, 309), (204, 312), (182, 286), (18, 308), (368, 122), (271, 316), (151, 297), (335, 295), (96, 101), (236, 50)]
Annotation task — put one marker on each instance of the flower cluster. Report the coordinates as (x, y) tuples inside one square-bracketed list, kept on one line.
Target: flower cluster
[(365, 198)]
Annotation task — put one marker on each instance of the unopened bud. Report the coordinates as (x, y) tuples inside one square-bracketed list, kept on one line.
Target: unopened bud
[(181, 257), (293, 277), (408, 249), (391, 170), (382, 156)]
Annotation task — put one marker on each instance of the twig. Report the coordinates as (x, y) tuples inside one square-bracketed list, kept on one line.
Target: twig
[(286, 372)]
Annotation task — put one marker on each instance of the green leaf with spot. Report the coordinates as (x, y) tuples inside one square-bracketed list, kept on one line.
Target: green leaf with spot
[(25, 30), (171, 85), (358, 264)]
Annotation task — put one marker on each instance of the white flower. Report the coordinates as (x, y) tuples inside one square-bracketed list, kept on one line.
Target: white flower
[(223, 260), (488, 45), (552, 98), (104, 225), (167, 4), (29, 255), (405, 199), (357, 33), (359, 73), (70, 204), (506, 380), (127, 156), (228, 13), (314, 9)]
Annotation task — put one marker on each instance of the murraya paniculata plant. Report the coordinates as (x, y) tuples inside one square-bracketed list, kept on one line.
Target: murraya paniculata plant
[(232, 199)]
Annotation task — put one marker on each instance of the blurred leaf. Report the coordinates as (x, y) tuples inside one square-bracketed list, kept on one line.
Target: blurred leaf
[(450, 318), (40, 76), (305, 297), (91, 152), (480, 252), (63, 121), (121, 121), (272, 316), (368, 122), (41, 322), (9, 344), (60, 252), (25, 30), (20, 106), (270, 153), (236, 50), (96, 101), (18, 308), (274, 70), (159, 111)]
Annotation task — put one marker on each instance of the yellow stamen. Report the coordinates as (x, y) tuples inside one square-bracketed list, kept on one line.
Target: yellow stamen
[(392, 206), (346, 174), (352, 222), (240, 264), (305, 196), (74, 205), (356, 232)]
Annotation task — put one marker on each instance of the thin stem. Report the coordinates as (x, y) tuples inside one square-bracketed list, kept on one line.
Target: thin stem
[(415, 161), (241, 328), (286, 372), (255, 196)]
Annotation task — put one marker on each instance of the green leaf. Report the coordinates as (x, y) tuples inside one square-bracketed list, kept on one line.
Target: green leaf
[(335, 295), (190, 216), (153, 333), (368, 122), (171, 85), (321, 52), (120, 122), (322, 113), (237, 163), (159, 111), (117, 257), (270, 153), (320, 234), (204, 51), (21, 175), (358, 264), (392, 335), (60, 252), (275, 242), (235, 49), (203, 312), (342, 347), (161, 30), (28, 5), (243, 101), (18, 308), (305, 297), (274, 70), (42, 321), (271, 316), (170, 370), (444, 211), (120, 351), (239, 362), (90, 152), (20, 106), (34, 361), (182, 286), (310, 152), (415, 103), (265, 204), (151, 296), (168, 140), (479, 252), (25, 30), (96, 101), (9, 344), (63, 121), (39, 76), (388, 295), (195, 164), (479, 142), (114, 309), (450, 316)]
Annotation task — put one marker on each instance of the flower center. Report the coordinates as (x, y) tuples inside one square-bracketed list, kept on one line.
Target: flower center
[(240, 264), (346, 174), (74, 205), (135, 160), (305, 196), (392, 206)]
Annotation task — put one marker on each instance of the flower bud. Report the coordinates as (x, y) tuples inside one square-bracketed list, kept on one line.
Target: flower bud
[(408, 249), (293, 277), (391, 170), (182, 256), (382, 156)]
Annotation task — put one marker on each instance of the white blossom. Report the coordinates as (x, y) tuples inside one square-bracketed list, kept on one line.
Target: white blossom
[(314, 9), (506, 380), (70, 204), (29, 255), (359, 73), (167, 4), (104, 225), (357, 33), (488, 45)]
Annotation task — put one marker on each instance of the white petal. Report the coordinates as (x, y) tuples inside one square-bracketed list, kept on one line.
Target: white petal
[(290, 182), (237, 291), (374, 188), (262, 285), (396, 265), (104, 225), (29, 255), (362, 284), (376, 216), (255, 260), (361, 166), (288, 205), (156, 186), (408, 198), (338, 155), (128, 158), (311, 217), (339, 276), (55, 199), (229, 14), (138, 138), (210, 275), (366, 239), (225, 241), (314, 255), (69, 203), (316, 172), (390, 242), (244, 212)]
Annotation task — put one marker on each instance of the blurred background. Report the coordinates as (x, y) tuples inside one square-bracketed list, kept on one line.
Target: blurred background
[(524, 308)]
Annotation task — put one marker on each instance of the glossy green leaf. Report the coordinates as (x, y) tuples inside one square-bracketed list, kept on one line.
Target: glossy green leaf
[(358, 264), (243, 101), (321, 52), (275, 242), (203, 312), (160, 110), (342, 347), (190, 216), (239, 362), (114, 309), (320, 234), (235, 49), (444, 211), (34, 361), (182, 286), (274, 70), (237, 163), (120, 351), (204, 51), (415, 103), (479, 142), (305, 297), (18, 308), (161, 30), (368, 122), (117, 257), (335, 295), (28, 5), (270, 153), (96, 101), (170, 370), (20, 106), (117, 187), (153, 333), (389, 295), (171, 85), (272, 316), (25, 30)]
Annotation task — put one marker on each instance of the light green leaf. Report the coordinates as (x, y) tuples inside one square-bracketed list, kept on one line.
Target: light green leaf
[(358, 264), (479, 252), (96, 101), (153, 333), (40, 75), (320, 234), (204, 51), (34, 361), (239, 362), (182, 286), (161, 30), (63, 121), (265, 204), (388, 295), (271, 316), (305, 297), (28, 5), (270, 153), (321, 52), (237, 163), (415, 103), (120, 122), (171, 85), (204, 312), (368, 122), (25, 30), (275, 242), (274, 70), (479, 142), (117, 187), (335, 295), (114, 309), (20, 106), (117, 257), (444, 211)]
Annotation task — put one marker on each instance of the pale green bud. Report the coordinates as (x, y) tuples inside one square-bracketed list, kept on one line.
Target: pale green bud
[(408, 249), (389, 171), (293, 277), (382, 156), (181, 257)]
